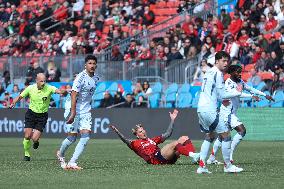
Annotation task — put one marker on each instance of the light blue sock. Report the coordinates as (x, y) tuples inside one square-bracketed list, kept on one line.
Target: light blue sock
[(226, 149), (80, 147), (66, 143), (204, 151), (217, 144)]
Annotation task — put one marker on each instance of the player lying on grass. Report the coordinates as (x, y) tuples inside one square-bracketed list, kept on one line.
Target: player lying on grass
[(230, 106), (147, 148)]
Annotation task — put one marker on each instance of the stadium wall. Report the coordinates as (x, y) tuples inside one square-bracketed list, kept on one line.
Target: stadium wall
[(261, 123)]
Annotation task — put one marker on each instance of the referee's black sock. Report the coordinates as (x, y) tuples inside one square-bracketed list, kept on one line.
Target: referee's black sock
[(36, 144)]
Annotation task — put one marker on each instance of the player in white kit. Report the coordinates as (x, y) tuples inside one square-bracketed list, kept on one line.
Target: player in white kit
[(80, 119), (230, 106), (209, 118)]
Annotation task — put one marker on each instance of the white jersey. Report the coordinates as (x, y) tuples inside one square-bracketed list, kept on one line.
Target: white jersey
[(234, 102), (208, 100), (85, 86), (67, 106)]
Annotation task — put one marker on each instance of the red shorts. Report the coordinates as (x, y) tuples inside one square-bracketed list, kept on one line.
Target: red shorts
[(158, 159)]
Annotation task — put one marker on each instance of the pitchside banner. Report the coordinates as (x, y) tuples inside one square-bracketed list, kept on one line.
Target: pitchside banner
[(155, 121)]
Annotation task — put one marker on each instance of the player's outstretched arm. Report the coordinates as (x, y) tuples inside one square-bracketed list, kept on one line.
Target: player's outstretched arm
[(258, 92), (121, 136), (73, 107), (17, 99), (169, 131)]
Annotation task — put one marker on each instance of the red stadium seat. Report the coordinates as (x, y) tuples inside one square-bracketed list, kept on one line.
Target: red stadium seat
[(266, 75), (249, 67), (246, 76), (109, 21), (125, 29), (106, 29), (160, 18), (161, 4), (172, 4)]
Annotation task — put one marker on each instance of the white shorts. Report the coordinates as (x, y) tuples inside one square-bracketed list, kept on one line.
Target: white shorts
[(212, 121), (83, 121), (232, 121)]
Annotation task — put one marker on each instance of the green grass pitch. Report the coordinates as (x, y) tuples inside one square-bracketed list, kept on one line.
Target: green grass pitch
[(110, 164)]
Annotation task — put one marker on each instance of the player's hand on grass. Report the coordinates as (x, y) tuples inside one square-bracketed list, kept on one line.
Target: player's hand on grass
[(268, 97), (256, 98), (174, 114)]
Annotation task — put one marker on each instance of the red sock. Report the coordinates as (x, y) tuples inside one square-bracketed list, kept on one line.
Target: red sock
[(184, 150), (201, 163), (212, 153), (189, 145)]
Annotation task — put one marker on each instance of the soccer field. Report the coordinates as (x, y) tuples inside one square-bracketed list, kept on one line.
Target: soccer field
[(110, 164)]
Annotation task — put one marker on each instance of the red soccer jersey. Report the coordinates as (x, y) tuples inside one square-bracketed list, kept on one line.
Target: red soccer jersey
[(146, 148)]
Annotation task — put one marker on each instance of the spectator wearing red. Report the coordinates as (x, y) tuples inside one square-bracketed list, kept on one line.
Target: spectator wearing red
[(257, 54), (236, 24), (243, 37), (219, 44), (145, 54), (271, 23), (149, 16), (62, 12)]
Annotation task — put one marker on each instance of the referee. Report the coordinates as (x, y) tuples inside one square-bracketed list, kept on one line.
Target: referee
[(36, 116)]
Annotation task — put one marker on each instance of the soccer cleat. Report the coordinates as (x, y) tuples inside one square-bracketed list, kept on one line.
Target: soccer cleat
[(27, 158), (35, 145), (61, 160), (203, 170), (232, 169), (195, 157), (73, 166), (214, 162)]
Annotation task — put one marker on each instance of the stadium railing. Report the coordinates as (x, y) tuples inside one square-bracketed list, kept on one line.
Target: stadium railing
[(179, 71)]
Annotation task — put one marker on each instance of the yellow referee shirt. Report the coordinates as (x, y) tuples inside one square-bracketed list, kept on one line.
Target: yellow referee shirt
[(39, 99)]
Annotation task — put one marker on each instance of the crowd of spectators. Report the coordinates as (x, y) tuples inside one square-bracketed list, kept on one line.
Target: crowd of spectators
[(253, 33)]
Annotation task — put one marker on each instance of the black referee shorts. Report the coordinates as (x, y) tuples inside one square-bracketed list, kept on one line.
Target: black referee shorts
[(35, 120)]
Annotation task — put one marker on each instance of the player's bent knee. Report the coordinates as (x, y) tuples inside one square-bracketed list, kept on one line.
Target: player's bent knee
[(209, 139), (227, 139), (72, 138), (243, 133)]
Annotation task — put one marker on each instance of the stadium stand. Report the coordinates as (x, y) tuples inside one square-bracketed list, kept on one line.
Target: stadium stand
[(143, 34)]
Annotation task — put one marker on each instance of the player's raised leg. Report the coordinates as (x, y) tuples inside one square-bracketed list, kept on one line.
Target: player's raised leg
[(68, 141), (241, 132)]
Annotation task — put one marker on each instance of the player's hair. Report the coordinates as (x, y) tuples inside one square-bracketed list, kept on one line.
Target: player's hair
[(134, 130), (234, 66), (221, 54), (90, 57)]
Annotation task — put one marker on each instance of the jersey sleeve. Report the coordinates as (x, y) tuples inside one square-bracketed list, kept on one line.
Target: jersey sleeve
[(77, 84), (26, 92), (52, 89), (158, 139)]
